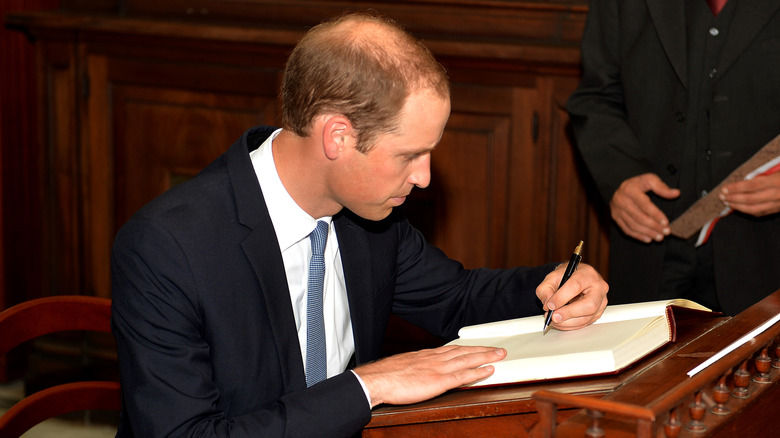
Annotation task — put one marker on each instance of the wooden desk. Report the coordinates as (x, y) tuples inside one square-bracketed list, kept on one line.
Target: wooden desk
[(664, 402), (657, 384)]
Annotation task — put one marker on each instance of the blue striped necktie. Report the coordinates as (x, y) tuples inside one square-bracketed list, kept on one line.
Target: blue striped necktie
[(316, 357)]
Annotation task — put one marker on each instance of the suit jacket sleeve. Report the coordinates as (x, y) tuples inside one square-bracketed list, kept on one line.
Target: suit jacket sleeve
[(439, 295), (165, 356), (597, 108)]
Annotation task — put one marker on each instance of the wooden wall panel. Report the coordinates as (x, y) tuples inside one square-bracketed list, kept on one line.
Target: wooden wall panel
[(469, 170), (63, 198), (22, 233), (526, 236), (98, 177), (150, 124), (154, 138), (165, 136), (573, 214)]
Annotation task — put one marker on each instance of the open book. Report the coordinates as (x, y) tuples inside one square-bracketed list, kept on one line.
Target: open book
[(624, 334)]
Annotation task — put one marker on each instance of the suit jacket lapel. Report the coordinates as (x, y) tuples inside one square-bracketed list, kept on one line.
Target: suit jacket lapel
[(669, 20), (262, 250), (354, 253), (750, 17)]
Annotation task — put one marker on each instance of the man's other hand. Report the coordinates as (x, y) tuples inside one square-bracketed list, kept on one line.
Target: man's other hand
[(635, 213), (421, 375)]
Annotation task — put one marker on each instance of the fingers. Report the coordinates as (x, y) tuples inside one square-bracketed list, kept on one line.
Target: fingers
[(637, 216), (420, 375), (635, 213), (759, 196), (579, 302), (653, 183), (580, 312)]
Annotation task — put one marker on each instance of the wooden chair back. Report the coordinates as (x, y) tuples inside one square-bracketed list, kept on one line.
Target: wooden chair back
[(34, 318)]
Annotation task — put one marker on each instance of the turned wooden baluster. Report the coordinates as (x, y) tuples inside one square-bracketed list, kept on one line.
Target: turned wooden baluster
[(672, 427), (721, 395), (763, 365), (741, 381), (776, 362), (697, 409), (595, 430)]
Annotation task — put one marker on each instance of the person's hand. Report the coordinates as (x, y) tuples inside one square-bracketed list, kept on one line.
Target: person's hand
[(585, 292), (635, 213), (421, 375), (759, 196)]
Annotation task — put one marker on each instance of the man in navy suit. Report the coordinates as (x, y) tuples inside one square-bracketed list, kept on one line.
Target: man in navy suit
[(210, 285)]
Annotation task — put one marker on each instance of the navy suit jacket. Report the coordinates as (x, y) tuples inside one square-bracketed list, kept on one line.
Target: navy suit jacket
[(204, 324)]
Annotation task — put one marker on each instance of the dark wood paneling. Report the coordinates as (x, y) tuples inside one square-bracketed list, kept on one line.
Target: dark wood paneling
[(468, 173), (22, 158), (22, 269)]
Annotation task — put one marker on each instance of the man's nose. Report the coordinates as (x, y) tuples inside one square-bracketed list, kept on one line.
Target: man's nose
[(421, 174)]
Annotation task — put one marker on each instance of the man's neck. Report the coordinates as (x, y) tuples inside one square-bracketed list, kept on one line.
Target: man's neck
[(301, 168)]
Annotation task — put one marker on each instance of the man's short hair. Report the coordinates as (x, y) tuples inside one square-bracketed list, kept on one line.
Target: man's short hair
[(359, 65)]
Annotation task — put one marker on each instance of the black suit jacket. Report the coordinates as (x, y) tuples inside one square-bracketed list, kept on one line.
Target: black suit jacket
[(204, 324), (629, 117)]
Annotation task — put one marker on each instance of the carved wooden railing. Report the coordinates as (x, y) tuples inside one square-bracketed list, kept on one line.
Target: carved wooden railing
[(737, 395)]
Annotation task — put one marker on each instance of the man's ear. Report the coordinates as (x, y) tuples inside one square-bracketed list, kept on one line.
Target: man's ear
[(337, 135)]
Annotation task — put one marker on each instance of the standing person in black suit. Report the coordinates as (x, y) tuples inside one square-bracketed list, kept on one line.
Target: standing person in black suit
[(212, 280), (674, 96)]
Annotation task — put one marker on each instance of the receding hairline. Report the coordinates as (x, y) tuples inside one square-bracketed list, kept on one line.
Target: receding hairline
[(364, 29), (384, 37)]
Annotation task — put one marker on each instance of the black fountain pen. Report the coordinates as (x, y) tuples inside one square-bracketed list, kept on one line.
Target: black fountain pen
[(570, 268)]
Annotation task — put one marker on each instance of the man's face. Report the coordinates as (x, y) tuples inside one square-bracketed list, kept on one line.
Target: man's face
[(371, 184)]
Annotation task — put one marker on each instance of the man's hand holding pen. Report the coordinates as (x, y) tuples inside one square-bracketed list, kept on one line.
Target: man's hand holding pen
[(579, 301)]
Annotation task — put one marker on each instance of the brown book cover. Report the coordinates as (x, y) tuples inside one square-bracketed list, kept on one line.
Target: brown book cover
[(710, 207)]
